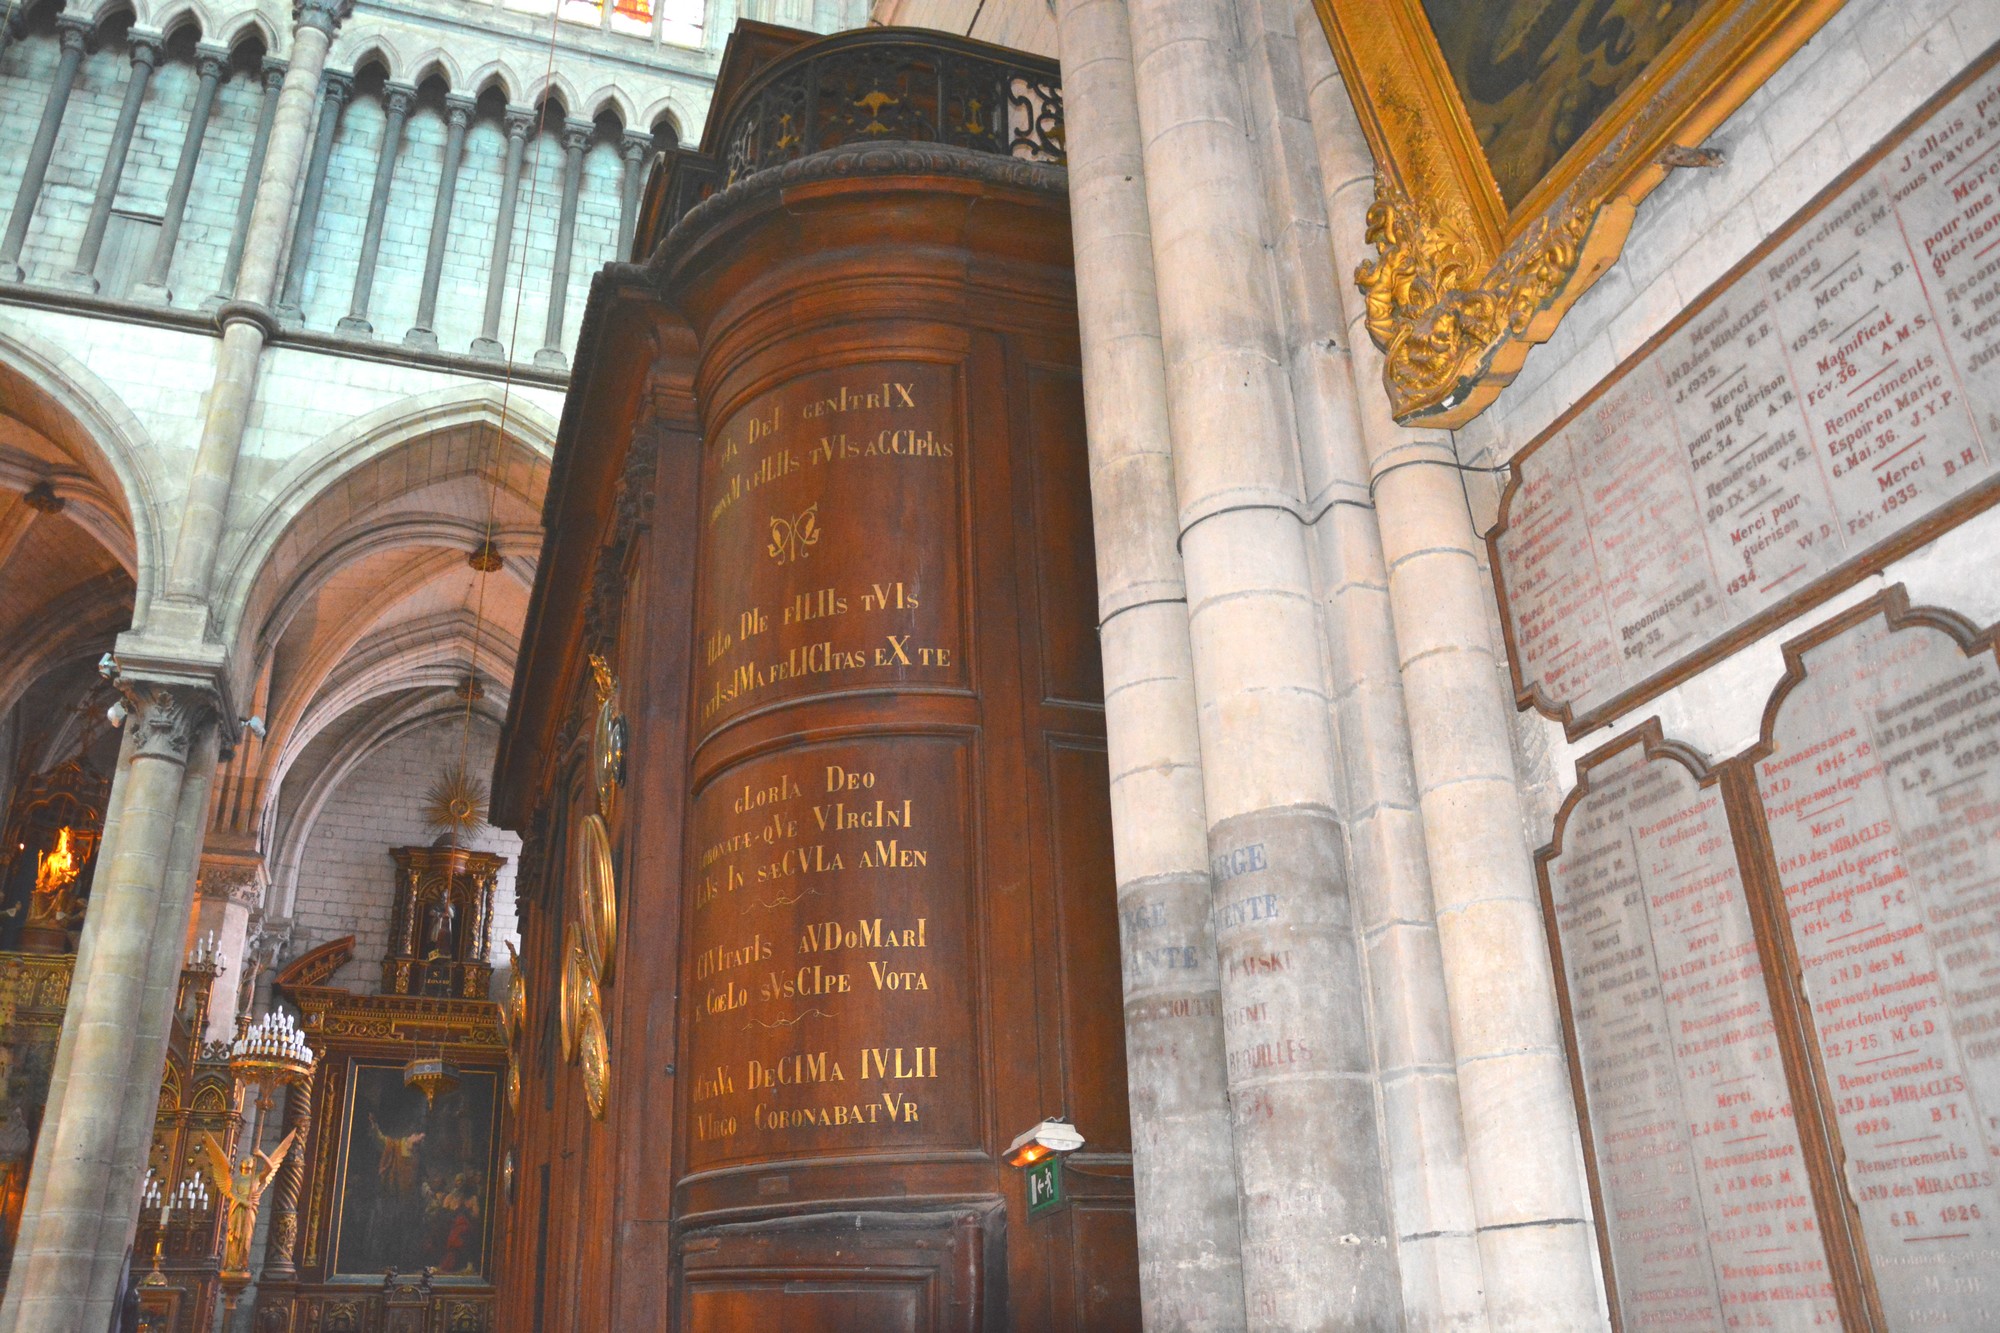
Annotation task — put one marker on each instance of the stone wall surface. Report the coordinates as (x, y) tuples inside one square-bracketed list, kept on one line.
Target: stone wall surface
[(348, 881), (624, 86)]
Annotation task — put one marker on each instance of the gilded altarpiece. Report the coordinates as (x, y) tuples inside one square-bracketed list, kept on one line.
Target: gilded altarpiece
[(34, 988), (387, 1225), (441, 933)]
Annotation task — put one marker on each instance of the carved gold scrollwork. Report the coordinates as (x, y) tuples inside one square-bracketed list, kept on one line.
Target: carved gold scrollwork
[(516, 1022), (1438, 311), (607, 740), (1466, 280)]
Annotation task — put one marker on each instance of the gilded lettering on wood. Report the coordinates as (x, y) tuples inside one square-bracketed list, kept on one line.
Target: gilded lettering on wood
[(829, 951), (834, 505)]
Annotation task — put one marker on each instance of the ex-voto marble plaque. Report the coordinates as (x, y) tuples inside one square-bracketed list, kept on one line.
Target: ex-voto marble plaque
[(1824, 407)]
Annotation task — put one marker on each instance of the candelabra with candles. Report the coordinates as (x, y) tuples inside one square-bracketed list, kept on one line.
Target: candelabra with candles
[(270, 1054), (191, 1195), (207, 953)]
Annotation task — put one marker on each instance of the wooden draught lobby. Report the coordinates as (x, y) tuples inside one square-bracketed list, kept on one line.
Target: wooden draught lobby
[(986, 666)]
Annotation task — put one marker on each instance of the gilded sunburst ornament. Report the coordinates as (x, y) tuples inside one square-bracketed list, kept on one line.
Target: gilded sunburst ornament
[(456, 803)]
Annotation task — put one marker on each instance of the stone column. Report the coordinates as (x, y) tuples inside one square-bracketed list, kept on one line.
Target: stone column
[(210, 61), (338, 88), (575, 138), (518, 121), (229, 886), (183, 614), (1528, 1190), (1315, 1216), (1183, 1157), (85, 1185), (398, 98), (458, 115), (56, 1286), (145, 58), (637, 150), (274, 78), (281, 1247), (166, 953), (71, 30), (24, 1242), (1437, 1252)]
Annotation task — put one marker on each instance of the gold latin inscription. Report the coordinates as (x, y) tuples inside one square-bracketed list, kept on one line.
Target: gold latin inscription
[(786, 838), (827, 928), (801, 481)]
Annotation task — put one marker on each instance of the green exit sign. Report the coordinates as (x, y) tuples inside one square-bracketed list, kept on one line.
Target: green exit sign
[(1045, 1186)]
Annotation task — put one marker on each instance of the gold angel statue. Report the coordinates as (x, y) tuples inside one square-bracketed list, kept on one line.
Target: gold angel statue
[(242, 1189)]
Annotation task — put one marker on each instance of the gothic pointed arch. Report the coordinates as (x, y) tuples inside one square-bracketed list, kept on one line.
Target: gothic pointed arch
[(110, 464), (451, 432)]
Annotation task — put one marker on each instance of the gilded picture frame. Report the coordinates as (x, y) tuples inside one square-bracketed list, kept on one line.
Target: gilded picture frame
[(413, 1175), (1478, 257)]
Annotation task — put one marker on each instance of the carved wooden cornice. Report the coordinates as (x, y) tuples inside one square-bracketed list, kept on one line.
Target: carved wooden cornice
[(316, 965), (848, 162), (332, 1014)]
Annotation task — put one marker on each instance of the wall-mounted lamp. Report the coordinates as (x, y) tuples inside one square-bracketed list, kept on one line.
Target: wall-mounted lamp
[(117, 713), (1044, 1140)]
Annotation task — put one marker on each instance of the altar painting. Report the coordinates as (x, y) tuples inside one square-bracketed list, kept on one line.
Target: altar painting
[(414, 1178)]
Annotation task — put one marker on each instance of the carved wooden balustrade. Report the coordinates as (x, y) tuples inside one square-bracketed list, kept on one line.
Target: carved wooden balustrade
[(876, 85)]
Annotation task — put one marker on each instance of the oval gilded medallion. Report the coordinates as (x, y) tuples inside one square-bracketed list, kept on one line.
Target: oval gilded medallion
[(607, 740), (596, 1052), (597, 895), (576, 989), (516, 1013)]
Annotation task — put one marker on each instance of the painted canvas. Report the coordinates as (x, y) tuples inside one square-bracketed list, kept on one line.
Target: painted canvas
[(1535, 75), (415, 1178)]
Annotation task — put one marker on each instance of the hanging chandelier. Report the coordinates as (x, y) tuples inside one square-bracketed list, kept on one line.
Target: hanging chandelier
[(272, 1051), (431, 1075)]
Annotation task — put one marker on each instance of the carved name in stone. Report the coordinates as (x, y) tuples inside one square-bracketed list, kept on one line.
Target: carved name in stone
[(1882, 793), (1796, 428)]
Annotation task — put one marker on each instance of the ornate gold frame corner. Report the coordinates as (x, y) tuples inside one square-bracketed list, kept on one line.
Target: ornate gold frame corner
[(1461, 288)]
